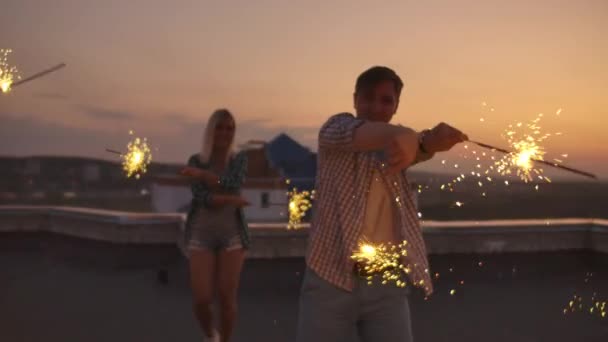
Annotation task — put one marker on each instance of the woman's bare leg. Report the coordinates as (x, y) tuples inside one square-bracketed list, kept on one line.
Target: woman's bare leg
[(202, 281), (229, 265)]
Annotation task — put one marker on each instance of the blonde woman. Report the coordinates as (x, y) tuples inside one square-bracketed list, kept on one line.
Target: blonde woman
[(216, 231)]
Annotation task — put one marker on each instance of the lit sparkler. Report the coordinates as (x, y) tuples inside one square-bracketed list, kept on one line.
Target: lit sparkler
[(299, 203), (526, 143), (524, 158), (137, 158), (384, 260), (8, 73)]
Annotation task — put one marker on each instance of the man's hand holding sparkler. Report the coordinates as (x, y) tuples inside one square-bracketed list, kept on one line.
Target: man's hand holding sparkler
[(441, 138), (403, 150)]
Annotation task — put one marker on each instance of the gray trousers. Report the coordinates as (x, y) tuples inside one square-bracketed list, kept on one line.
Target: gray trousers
[(372, 312)]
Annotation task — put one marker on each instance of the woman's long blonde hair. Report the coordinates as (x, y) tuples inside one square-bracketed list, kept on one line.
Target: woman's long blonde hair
[(209, 135)]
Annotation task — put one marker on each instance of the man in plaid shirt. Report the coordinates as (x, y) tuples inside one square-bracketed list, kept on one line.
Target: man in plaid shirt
[(362, 194)]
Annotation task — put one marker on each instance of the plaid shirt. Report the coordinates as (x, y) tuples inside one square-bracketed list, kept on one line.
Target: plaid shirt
[(343, 180)]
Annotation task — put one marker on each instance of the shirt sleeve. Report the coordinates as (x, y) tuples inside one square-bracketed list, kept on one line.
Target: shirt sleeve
[(233, 179), (339, 131), (200, 193)]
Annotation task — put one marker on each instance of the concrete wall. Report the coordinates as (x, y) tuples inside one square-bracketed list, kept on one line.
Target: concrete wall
[(273, 240), (168, 198), (276, 211), (172, 198)]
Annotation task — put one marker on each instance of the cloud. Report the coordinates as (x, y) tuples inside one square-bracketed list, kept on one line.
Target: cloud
[(259, 121), (24, 135), (181, 121), (50, 96), (104, 114)]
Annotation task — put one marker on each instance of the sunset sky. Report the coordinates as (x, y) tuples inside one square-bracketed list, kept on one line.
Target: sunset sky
[(161, 67)]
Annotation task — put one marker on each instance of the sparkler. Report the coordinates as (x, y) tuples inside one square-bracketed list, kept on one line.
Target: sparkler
[(137, 158), (384, 260), (8, 73), (299, 203), (525, 158), (526, 141)]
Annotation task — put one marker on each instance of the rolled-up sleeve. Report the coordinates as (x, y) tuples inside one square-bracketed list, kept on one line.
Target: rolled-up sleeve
[(339, 131)]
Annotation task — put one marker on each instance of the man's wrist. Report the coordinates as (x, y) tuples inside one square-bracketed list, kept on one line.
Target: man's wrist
[(422, 138)]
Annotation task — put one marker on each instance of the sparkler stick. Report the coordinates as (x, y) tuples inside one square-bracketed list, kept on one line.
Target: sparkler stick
[(113, 151), (40, 74), (559, 166)]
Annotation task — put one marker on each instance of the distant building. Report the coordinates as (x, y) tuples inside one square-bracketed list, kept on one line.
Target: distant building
[(264, 187), (57, 174), (32, 167), (293, 161), (91, 172), (270, 164)]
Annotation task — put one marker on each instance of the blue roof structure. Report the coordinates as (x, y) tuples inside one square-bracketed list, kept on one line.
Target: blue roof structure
[(293, 160)]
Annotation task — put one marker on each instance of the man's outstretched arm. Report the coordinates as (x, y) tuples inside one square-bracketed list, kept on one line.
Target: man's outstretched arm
[(441, 138), (346, 132)]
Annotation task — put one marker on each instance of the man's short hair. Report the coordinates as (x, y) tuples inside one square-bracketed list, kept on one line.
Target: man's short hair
[(375, 75)]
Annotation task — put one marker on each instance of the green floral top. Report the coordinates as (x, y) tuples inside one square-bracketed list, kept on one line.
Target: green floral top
[(231, 180)]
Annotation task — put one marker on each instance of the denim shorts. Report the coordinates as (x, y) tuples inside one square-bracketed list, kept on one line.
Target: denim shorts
[(215, 230)]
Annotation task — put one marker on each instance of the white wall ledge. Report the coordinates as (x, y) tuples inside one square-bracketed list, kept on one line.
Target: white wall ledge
[(275, 240)]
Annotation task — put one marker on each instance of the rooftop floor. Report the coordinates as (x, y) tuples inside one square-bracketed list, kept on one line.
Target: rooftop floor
[(511, 297)]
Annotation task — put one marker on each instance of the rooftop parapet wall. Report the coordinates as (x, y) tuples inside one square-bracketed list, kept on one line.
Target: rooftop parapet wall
[(273, 240)]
